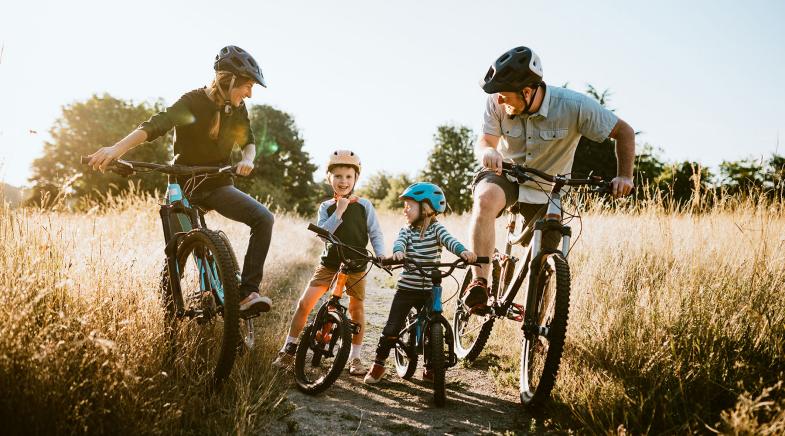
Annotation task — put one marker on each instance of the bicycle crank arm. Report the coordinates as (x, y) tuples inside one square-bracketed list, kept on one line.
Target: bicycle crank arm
[(250, 339)]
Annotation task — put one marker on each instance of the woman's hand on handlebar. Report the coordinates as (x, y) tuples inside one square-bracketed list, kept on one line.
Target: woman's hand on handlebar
[(398, 255), (101, 159), (244, 167), (468, 256)]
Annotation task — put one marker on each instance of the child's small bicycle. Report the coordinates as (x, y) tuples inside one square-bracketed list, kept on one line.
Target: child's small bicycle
[(199, 281), (326, 341), (427, 331)]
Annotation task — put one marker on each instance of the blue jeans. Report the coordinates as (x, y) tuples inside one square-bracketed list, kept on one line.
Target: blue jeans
[(239, 206)]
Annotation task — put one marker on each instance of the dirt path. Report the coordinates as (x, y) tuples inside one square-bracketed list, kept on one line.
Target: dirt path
[(396, 406)]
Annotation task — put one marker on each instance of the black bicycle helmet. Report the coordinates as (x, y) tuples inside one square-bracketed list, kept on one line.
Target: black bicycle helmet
[(513, 71), (238, 61)]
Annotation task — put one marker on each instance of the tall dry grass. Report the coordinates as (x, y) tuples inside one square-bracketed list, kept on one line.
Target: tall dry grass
[(676, 323), (81, 326)]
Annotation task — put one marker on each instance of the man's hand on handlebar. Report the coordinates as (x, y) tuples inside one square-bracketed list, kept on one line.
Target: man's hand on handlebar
[(621, 186), (492, 160), (469, 256), (398, 255)]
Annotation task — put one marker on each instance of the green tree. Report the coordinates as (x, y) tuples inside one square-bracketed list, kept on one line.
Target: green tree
[(283, 174), (648, 166), (397, 185), (82, 128), (775, 173), (684, 181), (452, 164), (376, 188), (742, 176), (596, 158)]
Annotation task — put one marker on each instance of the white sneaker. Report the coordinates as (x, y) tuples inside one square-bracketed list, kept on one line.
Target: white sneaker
[(375, 375), (254, 304), (357, 367)]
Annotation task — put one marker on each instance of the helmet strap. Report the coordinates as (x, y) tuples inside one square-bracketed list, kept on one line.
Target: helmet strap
[(530, 102), (227, 101)]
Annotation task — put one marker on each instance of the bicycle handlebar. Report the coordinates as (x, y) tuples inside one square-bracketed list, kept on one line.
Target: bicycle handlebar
[(383, 263), (434, 266), (521, 173), (126, 167), (334, 240)]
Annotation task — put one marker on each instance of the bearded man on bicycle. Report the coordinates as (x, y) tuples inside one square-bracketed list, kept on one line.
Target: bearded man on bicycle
[(537, 126)]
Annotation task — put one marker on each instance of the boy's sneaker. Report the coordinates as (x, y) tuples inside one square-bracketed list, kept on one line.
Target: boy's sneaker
[(357, 368), (254, 304), (427, 375), (477, 295), (375, 374), (285, 359)]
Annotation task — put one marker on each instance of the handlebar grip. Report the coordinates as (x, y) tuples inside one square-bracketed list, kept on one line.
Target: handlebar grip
[(483, 259), (318, 230), (392, 262), (84, 160)]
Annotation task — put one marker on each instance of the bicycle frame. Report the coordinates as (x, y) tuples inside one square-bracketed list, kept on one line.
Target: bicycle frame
[(428, 314), (177, 218)]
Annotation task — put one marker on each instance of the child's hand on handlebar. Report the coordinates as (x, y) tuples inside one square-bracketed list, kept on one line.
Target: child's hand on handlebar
[(469, 256), (398, 255)]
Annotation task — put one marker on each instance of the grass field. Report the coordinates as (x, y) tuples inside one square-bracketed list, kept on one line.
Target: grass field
[(677, 324)]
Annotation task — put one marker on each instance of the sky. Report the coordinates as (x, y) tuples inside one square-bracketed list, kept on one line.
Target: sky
[(703, 80)]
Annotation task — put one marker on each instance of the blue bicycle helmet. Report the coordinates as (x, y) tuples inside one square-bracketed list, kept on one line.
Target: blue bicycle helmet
[(424, 191)]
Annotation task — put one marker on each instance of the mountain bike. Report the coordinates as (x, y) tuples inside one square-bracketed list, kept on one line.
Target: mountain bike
[(543, 316), (325, 342), (426, 331), (200, 279)]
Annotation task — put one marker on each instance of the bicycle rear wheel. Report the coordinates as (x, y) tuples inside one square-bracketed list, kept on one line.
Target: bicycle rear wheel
[(323, 351), (438, 363), (205, 337), (543, 339), (406, 349)]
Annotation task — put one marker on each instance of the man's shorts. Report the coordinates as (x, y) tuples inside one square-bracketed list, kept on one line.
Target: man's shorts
[(510, 188), (355, 283)]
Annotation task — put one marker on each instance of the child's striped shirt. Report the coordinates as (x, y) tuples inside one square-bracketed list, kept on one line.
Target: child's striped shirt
[(425, 249)]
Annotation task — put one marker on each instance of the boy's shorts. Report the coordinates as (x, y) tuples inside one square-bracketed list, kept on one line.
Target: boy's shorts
[(355, 283)]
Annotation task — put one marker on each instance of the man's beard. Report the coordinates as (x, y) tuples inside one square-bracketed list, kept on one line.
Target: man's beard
[(511, 110)]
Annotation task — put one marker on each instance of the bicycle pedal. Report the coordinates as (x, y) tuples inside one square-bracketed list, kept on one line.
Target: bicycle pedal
[(355, 327), (515, 312)]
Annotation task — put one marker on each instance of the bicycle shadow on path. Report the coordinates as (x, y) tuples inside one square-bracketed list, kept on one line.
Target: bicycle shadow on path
[(396, 406)]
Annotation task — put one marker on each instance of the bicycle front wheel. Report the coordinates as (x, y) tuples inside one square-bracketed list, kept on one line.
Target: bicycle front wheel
[(545, 329), (323, 351), (438, 362), (205, 335)]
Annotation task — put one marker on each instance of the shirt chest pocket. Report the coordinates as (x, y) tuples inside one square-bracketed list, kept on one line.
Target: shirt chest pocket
[(511, 127), (553, 134)]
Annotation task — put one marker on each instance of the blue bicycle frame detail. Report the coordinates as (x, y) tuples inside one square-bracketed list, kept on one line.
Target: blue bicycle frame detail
[(175, 194)]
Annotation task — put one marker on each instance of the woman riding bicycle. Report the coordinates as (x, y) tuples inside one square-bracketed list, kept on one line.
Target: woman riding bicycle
[(209, 122)]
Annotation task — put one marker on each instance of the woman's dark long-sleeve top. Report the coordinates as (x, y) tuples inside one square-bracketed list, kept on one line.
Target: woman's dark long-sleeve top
[(191, 117)]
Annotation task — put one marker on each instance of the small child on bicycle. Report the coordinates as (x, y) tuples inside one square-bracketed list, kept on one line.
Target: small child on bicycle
[(422, 241), (353, 220)]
